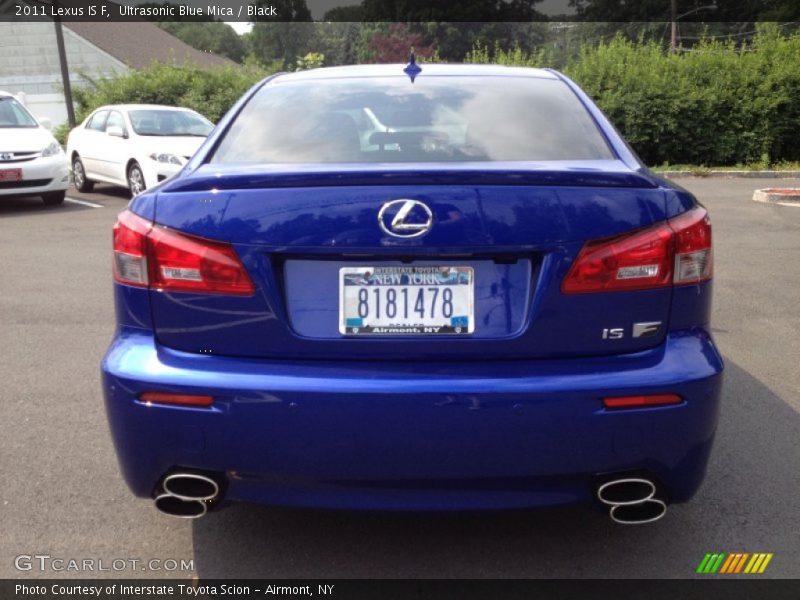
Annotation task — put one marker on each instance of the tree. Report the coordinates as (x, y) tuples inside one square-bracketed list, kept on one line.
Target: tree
[(425, 11), (659, 10), (285, 37), (455, 40), (200, 32), (341, 42), (208, 36), (352, 14), (395, 44)]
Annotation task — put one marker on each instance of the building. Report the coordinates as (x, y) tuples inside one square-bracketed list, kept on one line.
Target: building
[(29, 61)]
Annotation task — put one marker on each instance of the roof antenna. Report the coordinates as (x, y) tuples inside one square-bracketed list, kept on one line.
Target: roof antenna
[(412, 68)]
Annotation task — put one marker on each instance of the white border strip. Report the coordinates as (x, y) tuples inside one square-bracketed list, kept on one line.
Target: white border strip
[(83, 202)]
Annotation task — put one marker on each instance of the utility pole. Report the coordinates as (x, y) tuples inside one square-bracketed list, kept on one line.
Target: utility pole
[(673, 40), (62, 59)]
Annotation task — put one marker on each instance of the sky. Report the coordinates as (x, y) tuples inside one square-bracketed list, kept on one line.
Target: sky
[(240, 28)]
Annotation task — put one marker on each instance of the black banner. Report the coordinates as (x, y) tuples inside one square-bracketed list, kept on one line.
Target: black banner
[(483, 11), (459, 589)]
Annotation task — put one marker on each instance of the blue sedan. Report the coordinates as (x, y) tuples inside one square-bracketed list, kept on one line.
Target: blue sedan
[(378, 287)]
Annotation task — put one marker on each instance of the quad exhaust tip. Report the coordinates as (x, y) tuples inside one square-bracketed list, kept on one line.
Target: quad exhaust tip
[(632, 501), (186, 495), (648, 511), (191, 486), (183, 509)]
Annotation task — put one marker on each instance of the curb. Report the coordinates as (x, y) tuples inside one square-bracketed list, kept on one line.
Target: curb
[(778, 196), (743, 174)]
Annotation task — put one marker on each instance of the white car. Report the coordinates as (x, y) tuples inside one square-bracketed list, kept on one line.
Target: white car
[(134, 145), (32, 162)]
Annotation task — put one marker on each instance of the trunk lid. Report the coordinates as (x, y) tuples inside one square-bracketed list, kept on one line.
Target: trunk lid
[(519, 229)]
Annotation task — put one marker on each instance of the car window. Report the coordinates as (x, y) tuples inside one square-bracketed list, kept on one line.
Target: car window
[(13, 114), (154, 122), (115, 119), (98, 121), (388, 119)]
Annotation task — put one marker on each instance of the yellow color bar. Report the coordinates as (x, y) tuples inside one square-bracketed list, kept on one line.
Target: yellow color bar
[(765, 563), (755, 559)]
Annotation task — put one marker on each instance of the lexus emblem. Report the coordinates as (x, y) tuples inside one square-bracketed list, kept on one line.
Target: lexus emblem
[(405, 218)]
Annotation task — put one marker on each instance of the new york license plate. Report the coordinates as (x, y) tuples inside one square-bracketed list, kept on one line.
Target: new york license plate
[(406, 300)]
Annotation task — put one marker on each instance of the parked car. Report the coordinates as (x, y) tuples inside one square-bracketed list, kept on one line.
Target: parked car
[(32, 163), (134, 145), (506, 309)]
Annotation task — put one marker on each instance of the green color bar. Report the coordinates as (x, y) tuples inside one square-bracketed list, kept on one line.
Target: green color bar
[(701, 568), (718, 563), (711, 562)]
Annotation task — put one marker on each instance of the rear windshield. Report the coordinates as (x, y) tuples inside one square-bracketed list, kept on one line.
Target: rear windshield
[(389, 119)]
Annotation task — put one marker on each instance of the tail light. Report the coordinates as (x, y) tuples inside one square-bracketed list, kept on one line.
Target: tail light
[(693, 255), (162, 259), (130, 249), (181, 399), (677, 251), (641, 401)]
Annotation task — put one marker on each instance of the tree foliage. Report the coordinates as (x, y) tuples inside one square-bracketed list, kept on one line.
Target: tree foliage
[(208, 36), (745, 11), (285, 40), (395, 44), (422, 11)]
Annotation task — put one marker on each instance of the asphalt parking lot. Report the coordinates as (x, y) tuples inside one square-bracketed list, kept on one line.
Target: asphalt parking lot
[(63, 496)]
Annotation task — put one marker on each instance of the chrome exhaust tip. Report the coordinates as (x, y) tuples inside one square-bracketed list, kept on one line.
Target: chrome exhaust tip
[(632, 501), (186, 495), (626, 492), (178, 507), (190, 486), (648, 511)]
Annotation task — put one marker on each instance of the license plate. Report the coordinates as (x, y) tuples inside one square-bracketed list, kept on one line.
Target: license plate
[(406, 300), (10, 174)]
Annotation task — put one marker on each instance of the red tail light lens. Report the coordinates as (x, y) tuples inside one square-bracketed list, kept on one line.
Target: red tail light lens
[(640, 401), (189, 264), (163, 259), (693, 253), (181, 399), (130, 249), (677, 251), (634, 261)]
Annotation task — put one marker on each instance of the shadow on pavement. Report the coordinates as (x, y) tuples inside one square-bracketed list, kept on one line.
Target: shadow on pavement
[(102, 191), (26, 205), (752, 487)]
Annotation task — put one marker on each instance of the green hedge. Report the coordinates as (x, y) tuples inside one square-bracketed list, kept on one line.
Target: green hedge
[(717, 104)]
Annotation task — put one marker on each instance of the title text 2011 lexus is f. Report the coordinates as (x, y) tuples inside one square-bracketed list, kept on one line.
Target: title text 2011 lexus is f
[(447, 287)]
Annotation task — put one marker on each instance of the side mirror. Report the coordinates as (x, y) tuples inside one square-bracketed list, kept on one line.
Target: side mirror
[(46, 123), (115, 131)]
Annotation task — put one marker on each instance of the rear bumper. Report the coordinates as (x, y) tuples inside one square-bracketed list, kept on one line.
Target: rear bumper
[(392, 435)]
